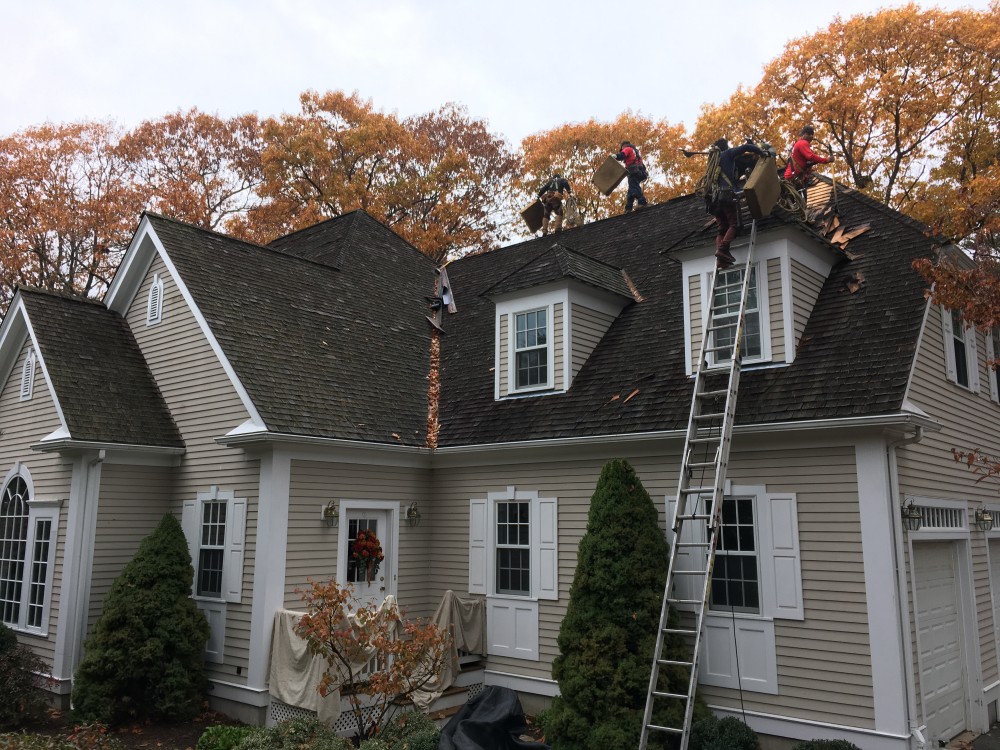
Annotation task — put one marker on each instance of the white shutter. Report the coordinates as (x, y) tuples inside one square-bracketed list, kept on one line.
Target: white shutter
[(478, 528), (949, 344), (215, 613), (972, 354), (739, 653), (991, 354), (189, 524), (689, 558), (780, 558), (232, 567), (545, 558)]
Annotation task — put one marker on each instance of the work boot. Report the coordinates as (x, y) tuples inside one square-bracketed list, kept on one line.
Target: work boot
[(725, 257), (558, 224), (545, 226)]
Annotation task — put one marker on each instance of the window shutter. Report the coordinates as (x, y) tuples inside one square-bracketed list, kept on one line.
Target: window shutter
[(949, 346), (689, 558), (781, 559), (478, 528), (232, 568), (972, 352), (991, 354), (28, 376), (545, 559), (189, 524)]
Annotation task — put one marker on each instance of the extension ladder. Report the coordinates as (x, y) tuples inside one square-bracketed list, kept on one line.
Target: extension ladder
[(700, 493)]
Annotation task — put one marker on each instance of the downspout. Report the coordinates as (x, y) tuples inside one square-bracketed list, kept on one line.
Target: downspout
[(85, 560), (901, 590)]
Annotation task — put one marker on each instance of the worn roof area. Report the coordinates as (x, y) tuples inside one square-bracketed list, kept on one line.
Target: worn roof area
[(556, 262), (104, 388), (326, 330), (853, 360)]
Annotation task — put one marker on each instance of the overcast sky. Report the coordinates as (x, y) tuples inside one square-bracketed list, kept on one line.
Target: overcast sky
[(522, 65)]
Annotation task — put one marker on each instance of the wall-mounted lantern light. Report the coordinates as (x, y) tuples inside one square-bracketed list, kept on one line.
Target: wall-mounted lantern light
[(331, 514), (913, 516), (984, 519), (413, 514)]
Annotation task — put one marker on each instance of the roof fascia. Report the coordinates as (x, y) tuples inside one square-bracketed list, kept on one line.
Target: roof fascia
[(319, 448), (16, 327), (145, 246), (114, 452)]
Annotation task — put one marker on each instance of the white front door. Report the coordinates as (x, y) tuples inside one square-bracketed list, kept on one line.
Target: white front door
[(369, 585), (939, 634)]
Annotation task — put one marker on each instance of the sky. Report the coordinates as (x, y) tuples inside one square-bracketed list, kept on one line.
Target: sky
[(523, 66)]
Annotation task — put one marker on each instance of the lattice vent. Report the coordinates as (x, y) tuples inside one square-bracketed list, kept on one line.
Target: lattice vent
[(943, 518), (475, 689), (283, 712)]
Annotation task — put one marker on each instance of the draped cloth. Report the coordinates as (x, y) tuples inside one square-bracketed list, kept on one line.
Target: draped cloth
[(465, 619)]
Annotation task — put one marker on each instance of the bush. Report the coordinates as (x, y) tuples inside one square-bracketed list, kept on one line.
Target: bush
[(224, 737), (607, 637), (145, 655), (826, 745), (22, 694), (294, 734), (712, 733), (411, 730)]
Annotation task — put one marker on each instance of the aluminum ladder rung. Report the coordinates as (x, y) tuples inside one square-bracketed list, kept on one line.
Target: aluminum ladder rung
[(698, 434)]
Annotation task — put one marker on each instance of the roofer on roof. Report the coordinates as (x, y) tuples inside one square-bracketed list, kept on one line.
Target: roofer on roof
[(636, 174), (551, 195), (803, 158), (724, 205)]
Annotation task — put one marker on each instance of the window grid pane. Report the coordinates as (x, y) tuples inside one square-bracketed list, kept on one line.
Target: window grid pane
[(531, 349), (13, 548), (735, 583), (513, 553), (356, 573), (212, 551), (726, 306), (39, 572), (958, 342)]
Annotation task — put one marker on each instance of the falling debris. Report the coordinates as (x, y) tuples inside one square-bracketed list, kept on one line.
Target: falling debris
[(630, 396), (854, 281), (396, 435), (632, 288), (827, 222)]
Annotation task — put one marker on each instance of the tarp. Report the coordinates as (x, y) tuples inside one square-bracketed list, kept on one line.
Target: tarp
[(493, 720), (465, 619)]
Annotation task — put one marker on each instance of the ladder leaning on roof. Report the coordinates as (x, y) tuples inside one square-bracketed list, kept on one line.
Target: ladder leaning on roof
[(700, 495)]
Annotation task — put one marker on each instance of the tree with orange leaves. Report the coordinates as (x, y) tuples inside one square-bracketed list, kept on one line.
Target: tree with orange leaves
[(440, 180), (197, 167), (576, 150), (348, 635), (68, 207)]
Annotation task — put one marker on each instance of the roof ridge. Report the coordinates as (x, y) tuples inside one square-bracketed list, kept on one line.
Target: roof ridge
[(340, 217), (60, 295), (517, 270)]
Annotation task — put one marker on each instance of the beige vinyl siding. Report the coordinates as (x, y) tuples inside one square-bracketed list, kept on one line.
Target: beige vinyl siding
[(824, 662), (806, 286), (558, 341), (776, 310), (23, 424), (312, 546), (926, 469), (205, 406), (503, 366), (589, 327), (133, 501), (697, 314)]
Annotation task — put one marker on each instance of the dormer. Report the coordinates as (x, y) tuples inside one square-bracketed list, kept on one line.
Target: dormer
[(788, 271), (550, 314)]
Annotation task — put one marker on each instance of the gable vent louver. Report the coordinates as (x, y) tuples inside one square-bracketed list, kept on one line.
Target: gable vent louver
[(154, 305), (943, 518), (28, 377)]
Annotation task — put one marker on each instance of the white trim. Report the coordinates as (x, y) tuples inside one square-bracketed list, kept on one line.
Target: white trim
[(521, 683), (763, 310), (392, 507), (788, 308), (806, 729), (231, 691), (991, 374), (124, 288), (877, 508), (926, 534), (549, 346), (270, 559), (546, 298)]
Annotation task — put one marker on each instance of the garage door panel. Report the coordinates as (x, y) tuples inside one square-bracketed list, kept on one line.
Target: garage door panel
[(939, 628)]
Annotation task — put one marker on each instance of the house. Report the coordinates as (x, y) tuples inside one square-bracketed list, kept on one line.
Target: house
[(279, 399)]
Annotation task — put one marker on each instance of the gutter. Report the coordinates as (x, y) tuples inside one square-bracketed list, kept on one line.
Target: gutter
[(916, 732), (69, 444)]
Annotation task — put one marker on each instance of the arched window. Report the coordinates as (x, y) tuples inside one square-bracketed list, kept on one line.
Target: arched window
[(27, 553)]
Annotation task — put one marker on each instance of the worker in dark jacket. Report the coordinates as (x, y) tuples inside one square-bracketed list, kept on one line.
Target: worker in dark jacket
[(636, 174), (733, 170), (551, 195)]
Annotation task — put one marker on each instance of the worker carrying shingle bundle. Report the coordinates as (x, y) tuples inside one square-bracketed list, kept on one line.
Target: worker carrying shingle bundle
[(723, 198), (551, 195), (637, 174)]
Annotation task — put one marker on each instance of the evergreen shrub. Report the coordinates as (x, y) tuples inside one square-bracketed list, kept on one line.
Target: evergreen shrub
[(295, 734), (410, 730), (712, 733), (607, 637), (144, 658), (22, 694), (224, 736)]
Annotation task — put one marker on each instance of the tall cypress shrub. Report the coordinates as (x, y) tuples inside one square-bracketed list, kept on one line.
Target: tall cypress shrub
[(607, 638), (145, 655)]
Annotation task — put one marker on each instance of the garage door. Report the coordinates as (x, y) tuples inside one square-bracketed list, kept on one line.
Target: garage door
[(942, 679)]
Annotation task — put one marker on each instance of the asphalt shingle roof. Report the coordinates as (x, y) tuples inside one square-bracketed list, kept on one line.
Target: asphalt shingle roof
[(853, 360), (556, 262), (104, 388), (326, 329)]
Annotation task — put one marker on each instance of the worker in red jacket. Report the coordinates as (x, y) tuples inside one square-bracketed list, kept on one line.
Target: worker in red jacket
[(801, 162), (636, 174)]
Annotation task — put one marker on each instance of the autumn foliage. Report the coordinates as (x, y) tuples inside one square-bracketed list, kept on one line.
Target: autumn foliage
[(349, 634)]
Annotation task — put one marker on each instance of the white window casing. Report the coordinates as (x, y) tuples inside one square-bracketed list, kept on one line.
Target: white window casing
[(992, 350), (762, 313), (967, 338), (28, 376), (154, 303), (512, 620)]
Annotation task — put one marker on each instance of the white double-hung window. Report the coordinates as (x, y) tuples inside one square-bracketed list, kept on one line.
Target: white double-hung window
[(513, 561), (726, 306), (531, 349), (961, 357), (27, 553)]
